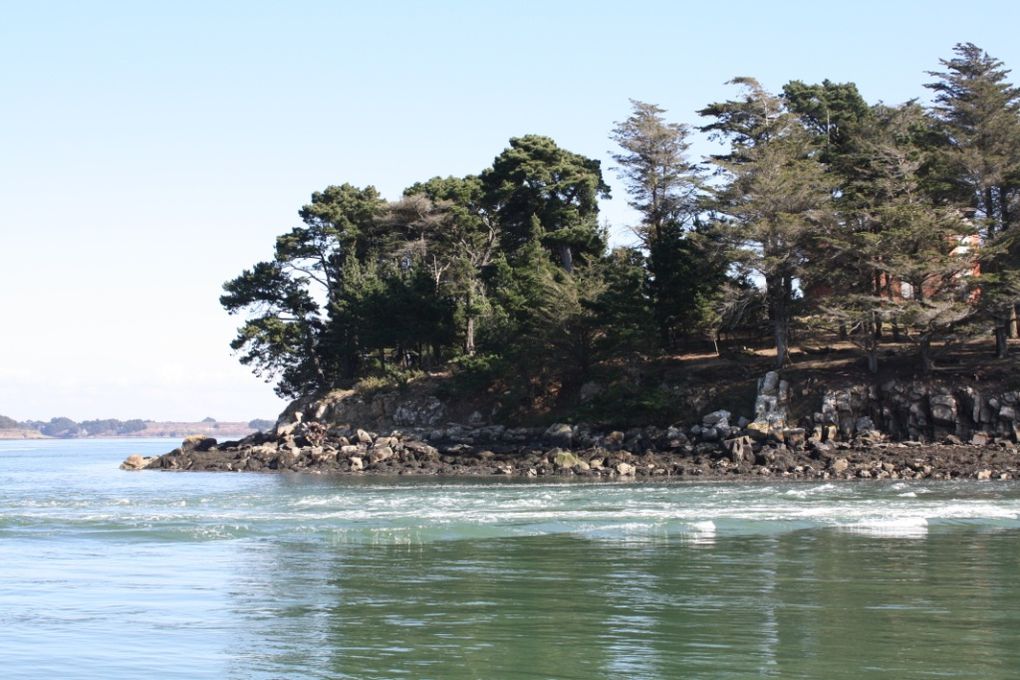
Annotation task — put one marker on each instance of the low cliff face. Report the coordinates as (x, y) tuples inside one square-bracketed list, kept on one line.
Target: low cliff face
[(901, 429), (377, 411), (921, 410)]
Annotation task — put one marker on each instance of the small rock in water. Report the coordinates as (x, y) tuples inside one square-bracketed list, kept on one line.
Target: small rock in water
[(135, 462)]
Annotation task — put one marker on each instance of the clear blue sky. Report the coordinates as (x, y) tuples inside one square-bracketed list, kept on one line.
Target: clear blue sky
[(150, 151)]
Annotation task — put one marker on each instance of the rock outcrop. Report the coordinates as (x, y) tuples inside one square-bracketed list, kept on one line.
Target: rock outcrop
[(898, 430)]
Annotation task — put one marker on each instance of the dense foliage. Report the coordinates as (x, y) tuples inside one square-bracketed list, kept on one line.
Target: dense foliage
[(823, 214)]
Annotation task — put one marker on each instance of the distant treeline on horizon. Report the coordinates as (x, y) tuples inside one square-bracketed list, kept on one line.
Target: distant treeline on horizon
[(65, 428)]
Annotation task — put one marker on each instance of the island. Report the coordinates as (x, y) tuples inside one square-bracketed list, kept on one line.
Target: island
[(833, 294)]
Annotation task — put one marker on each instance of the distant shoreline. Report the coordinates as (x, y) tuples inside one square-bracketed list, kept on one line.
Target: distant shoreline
[(152, 429), (16, 434), (8, 435)]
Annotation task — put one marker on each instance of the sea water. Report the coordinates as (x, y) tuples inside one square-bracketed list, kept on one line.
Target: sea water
[(113, 574)]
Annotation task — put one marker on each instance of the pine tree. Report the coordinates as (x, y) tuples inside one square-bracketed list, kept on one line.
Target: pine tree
[(538, 190), (666, 189), (894, 257), (979, 112), (775, 195)]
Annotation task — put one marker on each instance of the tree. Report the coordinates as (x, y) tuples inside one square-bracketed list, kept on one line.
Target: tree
[(62, 427), (893, 257), (831, 111), (621, 309), (7, 423), (666, 189), (538, 191), (774, 194), (979, 113), (300, 325), (282, 333), (664, 186), (261, 424), (466, 237)]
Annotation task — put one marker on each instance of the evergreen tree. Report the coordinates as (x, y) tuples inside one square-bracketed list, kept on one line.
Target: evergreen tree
[(301, 324), (893, 256), (831, 111), (666, 189), (466, 238), (775, 195), (979, 112), (536, 190)]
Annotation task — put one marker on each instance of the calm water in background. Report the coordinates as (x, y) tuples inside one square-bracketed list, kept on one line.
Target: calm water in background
[(110, 574)]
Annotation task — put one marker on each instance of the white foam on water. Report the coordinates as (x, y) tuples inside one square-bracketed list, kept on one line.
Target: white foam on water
[(703, 527), (901, 527), (810, 491)]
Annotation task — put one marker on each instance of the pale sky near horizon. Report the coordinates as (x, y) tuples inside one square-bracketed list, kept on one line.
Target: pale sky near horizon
[(151, 151)]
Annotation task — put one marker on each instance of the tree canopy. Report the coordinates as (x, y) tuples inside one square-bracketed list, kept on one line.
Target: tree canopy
[(820, 213)]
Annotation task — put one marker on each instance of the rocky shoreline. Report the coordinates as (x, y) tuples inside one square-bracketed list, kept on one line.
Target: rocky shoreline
[(397, 454), (926, 432)]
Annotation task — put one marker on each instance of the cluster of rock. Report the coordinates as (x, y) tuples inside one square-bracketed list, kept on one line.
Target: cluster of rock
[(921, 411), (841, 441)]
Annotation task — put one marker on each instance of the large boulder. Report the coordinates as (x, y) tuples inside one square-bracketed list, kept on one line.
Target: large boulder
[(740, 449), (559, 434), (564, 459), (718, 419), (197, 442), (379, 453)]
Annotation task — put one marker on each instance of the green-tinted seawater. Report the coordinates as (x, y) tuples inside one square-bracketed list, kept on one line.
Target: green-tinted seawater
[(110, 574)]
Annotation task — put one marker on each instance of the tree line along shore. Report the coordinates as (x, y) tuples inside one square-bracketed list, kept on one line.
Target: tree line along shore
[(825, 223), (65, 428)]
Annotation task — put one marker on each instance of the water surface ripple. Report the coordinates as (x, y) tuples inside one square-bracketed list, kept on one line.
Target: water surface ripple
[(109, 574)]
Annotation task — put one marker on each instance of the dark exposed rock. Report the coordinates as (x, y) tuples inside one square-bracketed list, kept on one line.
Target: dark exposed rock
[(859, 431)]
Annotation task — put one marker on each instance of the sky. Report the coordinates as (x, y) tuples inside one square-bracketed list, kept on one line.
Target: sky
[(150, 151)]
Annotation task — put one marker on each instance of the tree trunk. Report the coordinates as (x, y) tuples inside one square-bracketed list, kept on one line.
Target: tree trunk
[(927, 362), (1001, 337), (782, 332), (873, 361), (469, 336), (871, 340), (567, 258), (779, 289)]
